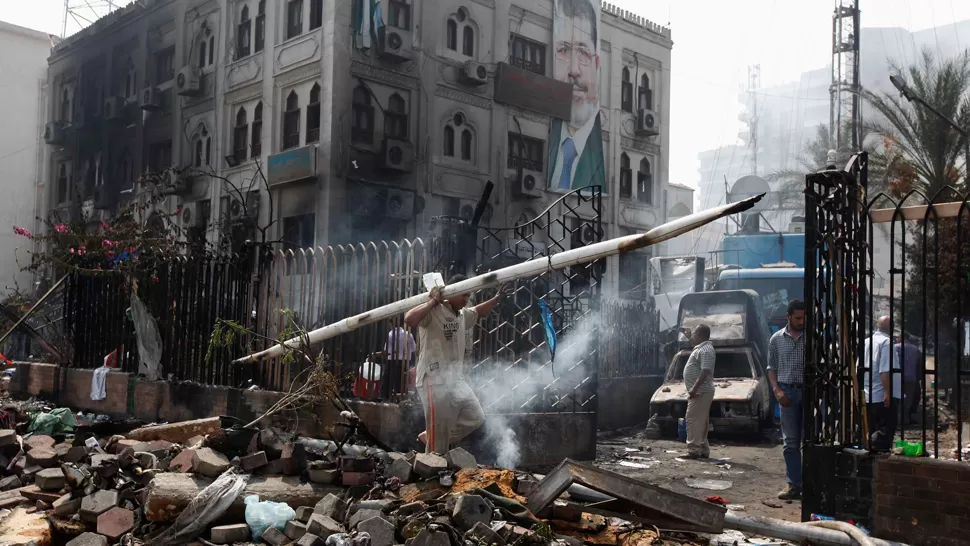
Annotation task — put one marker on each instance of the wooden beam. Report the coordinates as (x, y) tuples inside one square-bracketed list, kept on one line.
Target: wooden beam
[(941, 210)]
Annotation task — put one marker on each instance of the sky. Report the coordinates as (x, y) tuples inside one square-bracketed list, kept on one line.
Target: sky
[(714, 43)]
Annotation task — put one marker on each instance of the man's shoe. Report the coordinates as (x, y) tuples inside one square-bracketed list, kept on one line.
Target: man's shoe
[(790, 493), (694, 456)]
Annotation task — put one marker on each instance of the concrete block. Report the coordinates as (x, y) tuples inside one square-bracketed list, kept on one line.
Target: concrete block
[(361, 515), (177, 432), (10, 482), (469, 510), (116, 522), (39, 441), (400, 469), (183, 461), (75, 455), (428, 465), (50, 479), (332, 507), (324, 526), (8, 437), (303, 513), (42, 456), (66, 506), (228, 534), (311, 540), (274, 537), (381, 505), (484, 535), (120, 446), (209, 463), (254, 461), (431, 538), (410, 509), (89, 539), (380, 530), (294, 529), (459, 458), (325, 476), (98, 503), (62, 450)]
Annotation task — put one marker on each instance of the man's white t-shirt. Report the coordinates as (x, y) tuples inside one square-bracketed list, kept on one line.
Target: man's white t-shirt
[(441, 340)]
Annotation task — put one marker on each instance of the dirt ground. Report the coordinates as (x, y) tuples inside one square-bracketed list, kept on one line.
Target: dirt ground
[(755, 469)]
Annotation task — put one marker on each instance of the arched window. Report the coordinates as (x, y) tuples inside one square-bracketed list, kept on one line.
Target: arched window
[(448, 141), (626, 177), (626, 91), (202, 55), (212, 48), (260, 26), (645, 94), (291, 121), (257, 138), (66, 106), (451, 35), (62, 184), (313, 115), (239, 134), (363, 128), (243, 34), (396, 118), (198, 153), (645, 182), (466, 145), (468, 41), (130, 80)]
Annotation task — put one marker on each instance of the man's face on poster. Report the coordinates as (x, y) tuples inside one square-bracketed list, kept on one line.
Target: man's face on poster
[(578, 64)]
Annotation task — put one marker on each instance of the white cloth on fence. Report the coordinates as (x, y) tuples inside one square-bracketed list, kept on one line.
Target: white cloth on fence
[(98, 380)]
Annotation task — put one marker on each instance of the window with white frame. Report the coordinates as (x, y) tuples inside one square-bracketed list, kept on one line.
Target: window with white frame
[(294, 18), (645, 94), (626, 177), (244, 34), (257, 136), (240, 132), (458, 138), (260, 33), (626, 91), (645, 182), (202, 149), (396, 118), (313, 115), (460, 33)]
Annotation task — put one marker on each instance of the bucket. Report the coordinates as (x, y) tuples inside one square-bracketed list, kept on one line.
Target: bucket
[(682, 429)]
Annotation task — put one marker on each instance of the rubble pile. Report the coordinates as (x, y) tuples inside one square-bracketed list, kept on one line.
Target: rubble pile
[(199, 483)]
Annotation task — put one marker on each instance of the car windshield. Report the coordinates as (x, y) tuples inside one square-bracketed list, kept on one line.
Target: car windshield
[(775, 293), (726, 366)]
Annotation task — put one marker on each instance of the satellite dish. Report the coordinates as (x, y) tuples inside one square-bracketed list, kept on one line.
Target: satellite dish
[(749, 186)]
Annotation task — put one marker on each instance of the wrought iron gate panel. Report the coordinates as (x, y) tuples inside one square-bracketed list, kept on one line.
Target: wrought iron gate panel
[(512, 370)]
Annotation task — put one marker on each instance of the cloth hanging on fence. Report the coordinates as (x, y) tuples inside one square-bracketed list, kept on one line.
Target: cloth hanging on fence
[(98, 381), (149, 340)]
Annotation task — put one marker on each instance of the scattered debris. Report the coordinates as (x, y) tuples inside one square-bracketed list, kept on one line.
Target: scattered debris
[(711, 485)]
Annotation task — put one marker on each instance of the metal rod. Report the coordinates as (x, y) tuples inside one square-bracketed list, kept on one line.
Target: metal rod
[(35, 306), (537, 266)]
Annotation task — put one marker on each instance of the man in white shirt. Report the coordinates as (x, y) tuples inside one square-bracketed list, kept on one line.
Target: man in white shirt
[(398, 353), (882, 386), (576, 147), (451, 409)]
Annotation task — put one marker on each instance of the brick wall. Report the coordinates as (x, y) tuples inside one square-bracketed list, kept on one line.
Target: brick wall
[(922, 501)]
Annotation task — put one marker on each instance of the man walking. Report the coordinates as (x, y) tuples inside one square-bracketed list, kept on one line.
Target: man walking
[(911, 359), (451, 409), (786, 372), (883, 391), (699, 380)]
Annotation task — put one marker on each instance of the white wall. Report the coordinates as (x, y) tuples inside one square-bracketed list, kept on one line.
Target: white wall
[(23, 67)]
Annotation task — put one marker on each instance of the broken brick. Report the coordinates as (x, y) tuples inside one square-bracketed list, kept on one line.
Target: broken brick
[(39, 441), (294, 529), (303, 513), (75, 455), (323, 526), (400, 469), (428, 465), (66, 506), (116, 522), (209, 463), (331, 506), (42, 456), (431, 538), (274, 537), (50, 479), (380, 530), (158, 448), (362, 515), (183, 461), (10, 482), (228, 534), (460, 458), (310, 540), (120, 446), (254, 461), (8, 437)]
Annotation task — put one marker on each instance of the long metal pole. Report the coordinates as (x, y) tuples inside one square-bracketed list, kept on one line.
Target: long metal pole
[(586, 254)]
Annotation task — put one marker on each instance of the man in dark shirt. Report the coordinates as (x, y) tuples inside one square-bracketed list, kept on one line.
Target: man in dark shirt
[(911, 360)]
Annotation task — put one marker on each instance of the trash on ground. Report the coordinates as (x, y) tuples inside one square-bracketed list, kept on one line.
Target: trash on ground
[(712, 485)]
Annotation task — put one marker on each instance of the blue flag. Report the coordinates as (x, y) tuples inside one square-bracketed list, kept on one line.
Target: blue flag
[(550, 328)]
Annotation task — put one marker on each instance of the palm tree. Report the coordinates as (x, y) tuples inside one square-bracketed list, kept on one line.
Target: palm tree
[(929, 145)]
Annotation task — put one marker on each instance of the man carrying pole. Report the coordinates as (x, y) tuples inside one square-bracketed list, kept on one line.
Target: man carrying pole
[(451, 409)]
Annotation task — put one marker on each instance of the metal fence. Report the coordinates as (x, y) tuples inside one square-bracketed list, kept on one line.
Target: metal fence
[(631, 341)]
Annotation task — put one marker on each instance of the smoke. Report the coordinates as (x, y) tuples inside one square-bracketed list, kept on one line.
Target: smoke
[(502, 437)]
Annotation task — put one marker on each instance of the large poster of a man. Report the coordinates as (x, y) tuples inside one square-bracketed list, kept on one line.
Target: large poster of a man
[(576, 145)]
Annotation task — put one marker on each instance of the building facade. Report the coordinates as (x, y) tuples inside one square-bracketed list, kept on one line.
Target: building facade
[(344, 122), (23, 65)]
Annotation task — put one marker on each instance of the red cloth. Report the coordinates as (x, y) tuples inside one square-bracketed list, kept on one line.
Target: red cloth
[(111, 359), (365, 389), (717, 499)]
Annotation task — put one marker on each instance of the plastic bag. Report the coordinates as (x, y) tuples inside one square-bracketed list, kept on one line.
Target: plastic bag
[(263, 515), (149, 340), (209, 505), (58, 421)]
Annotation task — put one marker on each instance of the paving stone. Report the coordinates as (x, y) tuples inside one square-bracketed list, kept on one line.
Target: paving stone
[(75, 455), (209, 463), (10, 482), (183, 461), (431, 538), (324, 526), (380, 530), (410, 509), (42, 456), (120, 445), (8, 437), (428, 465), (303, 513), (483, 535), (400, 469), (294, 529), (311, 540), (460, 458), (98, 503), (66, 506), (50, 479), (116, 522), (62, 450), (39, 441), (227, 534), (89, 539), (34, 493), (274, 537), (361, 515), (331, 506), (254, 461), (381, 505), (469, 510)]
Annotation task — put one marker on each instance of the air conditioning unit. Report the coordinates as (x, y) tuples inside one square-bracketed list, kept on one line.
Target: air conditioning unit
[(114, 108), (647, 123), (399, 204), (394, 44), (237, 212), (398, 155), (190, 216), (473, 73), (188, 82), (587, 235), (54, 132), (528, 184), (105, 197), (150, 99)]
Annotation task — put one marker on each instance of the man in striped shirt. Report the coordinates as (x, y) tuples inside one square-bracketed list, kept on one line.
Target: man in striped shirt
[(699, 380)]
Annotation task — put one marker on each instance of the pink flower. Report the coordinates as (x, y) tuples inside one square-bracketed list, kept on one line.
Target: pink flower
[(108, 242), (154, 278), (60, 228), (81, 250), (71, 250), (23, 232)]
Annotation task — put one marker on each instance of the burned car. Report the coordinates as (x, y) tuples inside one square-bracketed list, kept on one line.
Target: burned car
[(743, 402)]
